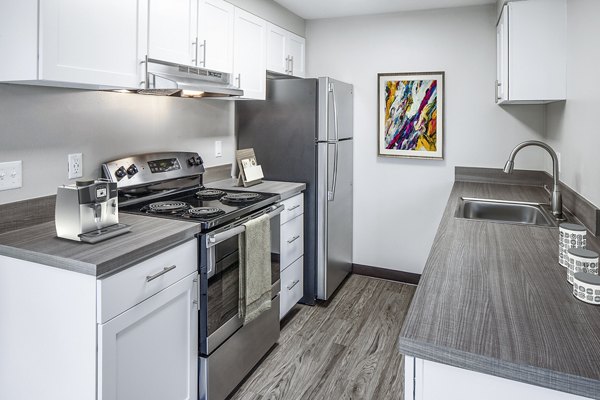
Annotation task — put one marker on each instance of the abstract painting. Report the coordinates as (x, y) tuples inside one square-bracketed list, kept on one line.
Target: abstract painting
[(410, 111)]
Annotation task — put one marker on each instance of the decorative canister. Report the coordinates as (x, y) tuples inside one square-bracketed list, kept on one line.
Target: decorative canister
[(571, 235), (581, 260), (586, 287)]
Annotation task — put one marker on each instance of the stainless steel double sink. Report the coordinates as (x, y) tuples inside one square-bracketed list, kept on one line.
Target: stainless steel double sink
[(502, 211)]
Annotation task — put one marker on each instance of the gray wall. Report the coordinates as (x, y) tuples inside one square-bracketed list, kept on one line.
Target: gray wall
[(274, 13), (398, 203), (572, 124), (40, 126)]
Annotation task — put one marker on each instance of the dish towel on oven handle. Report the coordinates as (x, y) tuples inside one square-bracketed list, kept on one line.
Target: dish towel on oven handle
[(255, 268)]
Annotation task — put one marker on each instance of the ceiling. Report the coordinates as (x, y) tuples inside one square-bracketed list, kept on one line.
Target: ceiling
[(315, 9)]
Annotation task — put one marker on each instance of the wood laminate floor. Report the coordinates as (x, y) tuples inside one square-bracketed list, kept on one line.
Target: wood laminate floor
[(344, 349)]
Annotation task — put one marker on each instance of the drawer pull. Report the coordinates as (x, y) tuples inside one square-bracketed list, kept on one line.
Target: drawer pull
[(294, 207), (293, 284), (164, 271), (293, 239)]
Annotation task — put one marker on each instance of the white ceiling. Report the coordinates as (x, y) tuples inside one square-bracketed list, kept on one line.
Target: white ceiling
[(315, 9)]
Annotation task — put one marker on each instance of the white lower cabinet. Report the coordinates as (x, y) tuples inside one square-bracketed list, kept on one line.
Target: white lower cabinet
[(66, 335), (428, 380), (150, 351), (292, 286), (291, 237)]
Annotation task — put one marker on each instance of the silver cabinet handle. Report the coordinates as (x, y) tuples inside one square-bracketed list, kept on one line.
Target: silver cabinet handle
[(239, 80), (287, 65), (291, 65), (293, 284), (195, 44), (294, 207), (203, 62), (498, 84), (293, 239), (164, 271)]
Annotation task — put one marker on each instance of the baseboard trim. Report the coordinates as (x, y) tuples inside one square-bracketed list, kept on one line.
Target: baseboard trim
[(389, 274)]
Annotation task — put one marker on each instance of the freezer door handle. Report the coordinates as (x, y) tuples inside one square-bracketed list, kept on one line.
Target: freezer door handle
[(331, 193)]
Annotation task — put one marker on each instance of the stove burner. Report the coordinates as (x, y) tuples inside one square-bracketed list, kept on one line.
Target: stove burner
[(203, 212), (240, 197), (168, 207), (210, 194)]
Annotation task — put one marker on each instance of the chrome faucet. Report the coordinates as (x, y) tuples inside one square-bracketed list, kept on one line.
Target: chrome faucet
[(556, 196)]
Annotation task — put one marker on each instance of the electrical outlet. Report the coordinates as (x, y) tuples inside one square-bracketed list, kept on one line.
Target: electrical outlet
[(218, 148), (75, 165), (11, 175)]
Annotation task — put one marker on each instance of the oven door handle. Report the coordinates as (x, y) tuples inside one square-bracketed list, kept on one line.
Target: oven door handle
[(216, 238)]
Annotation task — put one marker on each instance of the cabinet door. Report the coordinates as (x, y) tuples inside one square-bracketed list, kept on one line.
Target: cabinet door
[(215, 33), (296, 50), (249, 55), (93, 42), (277, 57), (150, 351), (172, 30), (502, 57)]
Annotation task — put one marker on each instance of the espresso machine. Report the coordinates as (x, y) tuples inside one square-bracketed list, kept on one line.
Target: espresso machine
[(88, 211)]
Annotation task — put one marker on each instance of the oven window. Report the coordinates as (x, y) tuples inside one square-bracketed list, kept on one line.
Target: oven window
[(223, 292), (224, 285)]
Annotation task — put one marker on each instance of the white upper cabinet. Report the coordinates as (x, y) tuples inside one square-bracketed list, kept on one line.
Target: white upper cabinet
[(91, 44), (215, 35), (249, 54), (296, 50), (172, 30), (95, 42), (531, 52), (285, 51)]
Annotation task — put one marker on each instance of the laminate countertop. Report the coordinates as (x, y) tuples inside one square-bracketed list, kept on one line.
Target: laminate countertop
[(284, 189), (148, 237), (493, 299)]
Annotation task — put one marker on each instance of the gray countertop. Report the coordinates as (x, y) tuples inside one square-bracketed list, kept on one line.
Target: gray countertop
[(148, 237), (284, 189), (493, 298)]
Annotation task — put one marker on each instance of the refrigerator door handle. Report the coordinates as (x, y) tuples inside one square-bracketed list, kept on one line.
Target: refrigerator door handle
[(331, 193)]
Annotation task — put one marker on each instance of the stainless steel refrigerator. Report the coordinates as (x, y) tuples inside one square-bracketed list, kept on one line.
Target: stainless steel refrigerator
[(303, 133)]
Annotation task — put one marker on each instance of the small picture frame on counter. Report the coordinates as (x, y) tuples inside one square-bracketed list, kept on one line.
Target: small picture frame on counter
[(250, 171)]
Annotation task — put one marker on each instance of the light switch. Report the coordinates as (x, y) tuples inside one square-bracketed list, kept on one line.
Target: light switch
[(218, 148)]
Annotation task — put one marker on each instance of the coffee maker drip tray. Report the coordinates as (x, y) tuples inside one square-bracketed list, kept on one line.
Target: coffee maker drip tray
[(107, 232)]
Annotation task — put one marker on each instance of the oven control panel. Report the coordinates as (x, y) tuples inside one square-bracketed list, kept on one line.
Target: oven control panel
[(146, 169), (166, 165)]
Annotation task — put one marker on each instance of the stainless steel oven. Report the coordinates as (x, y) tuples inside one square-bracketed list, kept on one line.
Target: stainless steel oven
[(229, 349)]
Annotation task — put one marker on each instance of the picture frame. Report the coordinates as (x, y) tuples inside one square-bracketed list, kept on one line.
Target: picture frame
[(250, 172), (410, 112)]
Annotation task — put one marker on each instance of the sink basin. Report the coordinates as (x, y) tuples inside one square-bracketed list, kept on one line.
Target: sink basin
[(511, 212)]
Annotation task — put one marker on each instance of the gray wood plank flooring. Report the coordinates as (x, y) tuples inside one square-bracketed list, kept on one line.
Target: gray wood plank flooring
[(344, 349)]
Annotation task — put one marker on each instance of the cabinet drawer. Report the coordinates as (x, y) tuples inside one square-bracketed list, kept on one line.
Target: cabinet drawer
[(119, 292), (292, 241), (292, 286), (294, 206)]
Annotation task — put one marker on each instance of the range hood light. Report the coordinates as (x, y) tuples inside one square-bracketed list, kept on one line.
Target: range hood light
[(192, 93), (124, 91)]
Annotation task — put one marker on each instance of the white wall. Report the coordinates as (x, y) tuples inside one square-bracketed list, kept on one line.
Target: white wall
[(573, 125), (399, 202), (40, 126)]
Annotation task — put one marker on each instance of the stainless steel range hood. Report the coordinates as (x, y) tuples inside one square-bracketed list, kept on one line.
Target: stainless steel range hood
[(164, 78)]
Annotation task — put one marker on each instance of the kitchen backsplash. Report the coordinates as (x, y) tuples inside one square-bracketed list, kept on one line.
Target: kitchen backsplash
[(41, 126)]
